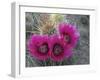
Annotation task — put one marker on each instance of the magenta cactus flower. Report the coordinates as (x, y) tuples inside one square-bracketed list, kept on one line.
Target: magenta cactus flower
[(39, 47), (57, 48), (69, 34)]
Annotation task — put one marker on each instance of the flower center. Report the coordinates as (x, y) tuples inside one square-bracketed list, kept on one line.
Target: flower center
[(57, 49), (67, 38), (43, 48)]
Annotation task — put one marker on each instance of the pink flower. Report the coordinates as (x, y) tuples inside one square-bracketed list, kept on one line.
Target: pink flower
[(39, 47), (69, 34), (57, 48)]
